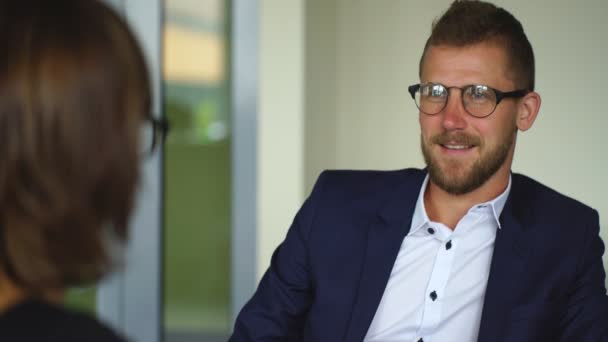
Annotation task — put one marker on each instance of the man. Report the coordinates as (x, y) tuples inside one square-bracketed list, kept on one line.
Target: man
[(461, 251)]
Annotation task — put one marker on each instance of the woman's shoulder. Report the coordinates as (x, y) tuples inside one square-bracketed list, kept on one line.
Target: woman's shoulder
[(39, 321)]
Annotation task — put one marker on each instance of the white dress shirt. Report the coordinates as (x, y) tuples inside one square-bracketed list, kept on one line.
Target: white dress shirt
[(437, 285)]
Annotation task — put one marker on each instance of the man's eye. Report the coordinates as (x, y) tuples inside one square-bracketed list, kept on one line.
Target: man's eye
[(478, 93), (433, 91)]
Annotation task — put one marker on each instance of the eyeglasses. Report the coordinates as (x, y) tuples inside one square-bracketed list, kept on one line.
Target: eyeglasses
[(153, 133), (478, 100)]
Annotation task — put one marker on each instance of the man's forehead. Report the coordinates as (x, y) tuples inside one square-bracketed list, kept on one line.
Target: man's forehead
[(483, 47), (484, 62)]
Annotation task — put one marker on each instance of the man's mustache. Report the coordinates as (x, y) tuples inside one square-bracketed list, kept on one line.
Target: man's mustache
[(457, 138)]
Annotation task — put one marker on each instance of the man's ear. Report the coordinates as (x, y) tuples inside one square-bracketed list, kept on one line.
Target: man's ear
[(527, 110)]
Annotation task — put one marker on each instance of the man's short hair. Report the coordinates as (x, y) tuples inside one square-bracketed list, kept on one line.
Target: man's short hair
[(468, 22), (74, 91)]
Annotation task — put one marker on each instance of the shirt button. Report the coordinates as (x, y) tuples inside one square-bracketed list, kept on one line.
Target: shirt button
[(448, 245), (431, 231), (433, 296)]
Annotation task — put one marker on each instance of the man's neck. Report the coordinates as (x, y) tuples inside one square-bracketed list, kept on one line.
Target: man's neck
[(449, 209)]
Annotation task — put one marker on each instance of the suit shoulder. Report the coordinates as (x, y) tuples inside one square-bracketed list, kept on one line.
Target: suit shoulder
[(362, 191), (363, 181), (538, 195)]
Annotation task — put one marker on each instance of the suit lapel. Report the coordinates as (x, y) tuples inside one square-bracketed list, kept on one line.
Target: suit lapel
[(511, 251), (384, 239)]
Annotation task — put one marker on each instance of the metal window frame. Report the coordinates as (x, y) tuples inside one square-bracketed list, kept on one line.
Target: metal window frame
[(244, 107), (132, 300)]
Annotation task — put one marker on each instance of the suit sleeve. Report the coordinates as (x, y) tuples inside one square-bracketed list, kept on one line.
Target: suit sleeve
[(277, 310), (586, 318)]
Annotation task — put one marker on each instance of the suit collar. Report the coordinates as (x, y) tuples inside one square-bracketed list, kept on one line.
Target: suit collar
[(402, 202), (493, 207), (511, 251), (385, 235)]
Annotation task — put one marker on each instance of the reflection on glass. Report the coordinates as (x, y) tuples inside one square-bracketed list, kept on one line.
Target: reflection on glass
[(197, 171)]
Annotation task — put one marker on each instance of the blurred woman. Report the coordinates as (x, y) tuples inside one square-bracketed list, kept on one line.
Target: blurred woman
[(74, 96)]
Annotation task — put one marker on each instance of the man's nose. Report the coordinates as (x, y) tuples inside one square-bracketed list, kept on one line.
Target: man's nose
[(454, 114)]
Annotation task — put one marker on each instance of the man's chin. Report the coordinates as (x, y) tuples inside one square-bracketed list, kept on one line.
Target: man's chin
[(456, 189), (454, 181), (453, 187), (453, 173)]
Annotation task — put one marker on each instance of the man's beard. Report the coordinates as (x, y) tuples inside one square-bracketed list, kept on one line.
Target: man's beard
[(456, 180)]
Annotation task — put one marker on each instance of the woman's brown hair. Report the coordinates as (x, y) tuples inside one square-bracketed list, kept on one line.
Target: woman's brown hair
[(74, 90)]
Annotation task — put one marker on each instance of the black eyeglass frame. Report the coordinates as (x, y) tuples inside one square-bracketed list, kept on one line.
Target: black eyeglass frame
[(160, 129), (500, 95)]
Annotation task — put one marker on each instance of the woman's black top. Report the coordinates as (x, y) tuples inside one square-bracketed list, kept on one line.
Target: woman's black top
[(35, 320)]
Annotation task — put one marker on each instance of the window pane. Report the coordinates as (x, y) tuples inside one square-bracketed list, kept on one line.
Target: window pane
[(197, 171)]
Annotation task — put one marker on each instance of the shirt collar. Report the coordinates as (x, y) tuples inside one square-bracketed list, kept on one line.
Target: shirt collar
[(420, 219)]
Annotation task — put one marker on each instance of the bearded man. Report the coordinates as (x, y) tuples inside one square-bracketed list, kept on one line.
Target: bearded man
[(462, 251)]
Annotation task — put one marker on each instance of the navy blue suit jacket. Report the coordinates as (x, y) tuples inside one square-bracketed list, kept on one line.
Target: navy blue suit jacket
[(326, 279)]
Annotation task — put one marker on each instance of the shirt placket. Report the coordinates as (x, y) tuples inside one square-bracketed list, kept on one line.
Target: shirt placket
[(431, 315)]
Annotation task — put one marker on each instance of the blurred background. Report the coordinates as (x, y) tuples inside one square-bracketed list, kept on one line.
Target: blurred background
[(262, 95)]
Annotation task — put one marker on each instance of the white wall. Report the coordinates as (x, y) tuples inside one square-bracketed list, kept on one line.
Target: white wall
[(566, 147), (280, 122), (374, 57), (321, 46)]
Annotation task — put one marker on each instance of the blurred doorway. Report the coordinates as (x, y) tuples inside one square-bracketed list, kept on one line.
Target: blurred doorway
[(197, 169)]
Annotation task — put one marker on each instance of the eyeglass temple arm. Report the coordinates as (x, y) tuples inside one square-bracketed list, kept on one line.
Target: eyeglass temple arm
[(413, 89), (516, 93)]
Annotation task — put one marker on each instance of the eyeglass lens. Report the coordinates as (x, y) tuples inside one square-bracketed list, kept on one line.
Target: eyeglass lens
[(478, 100)]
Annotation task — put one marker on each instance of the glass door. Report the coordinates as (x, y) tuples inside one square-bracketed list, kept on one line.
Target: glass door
[(183, 281), (197, 165)]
